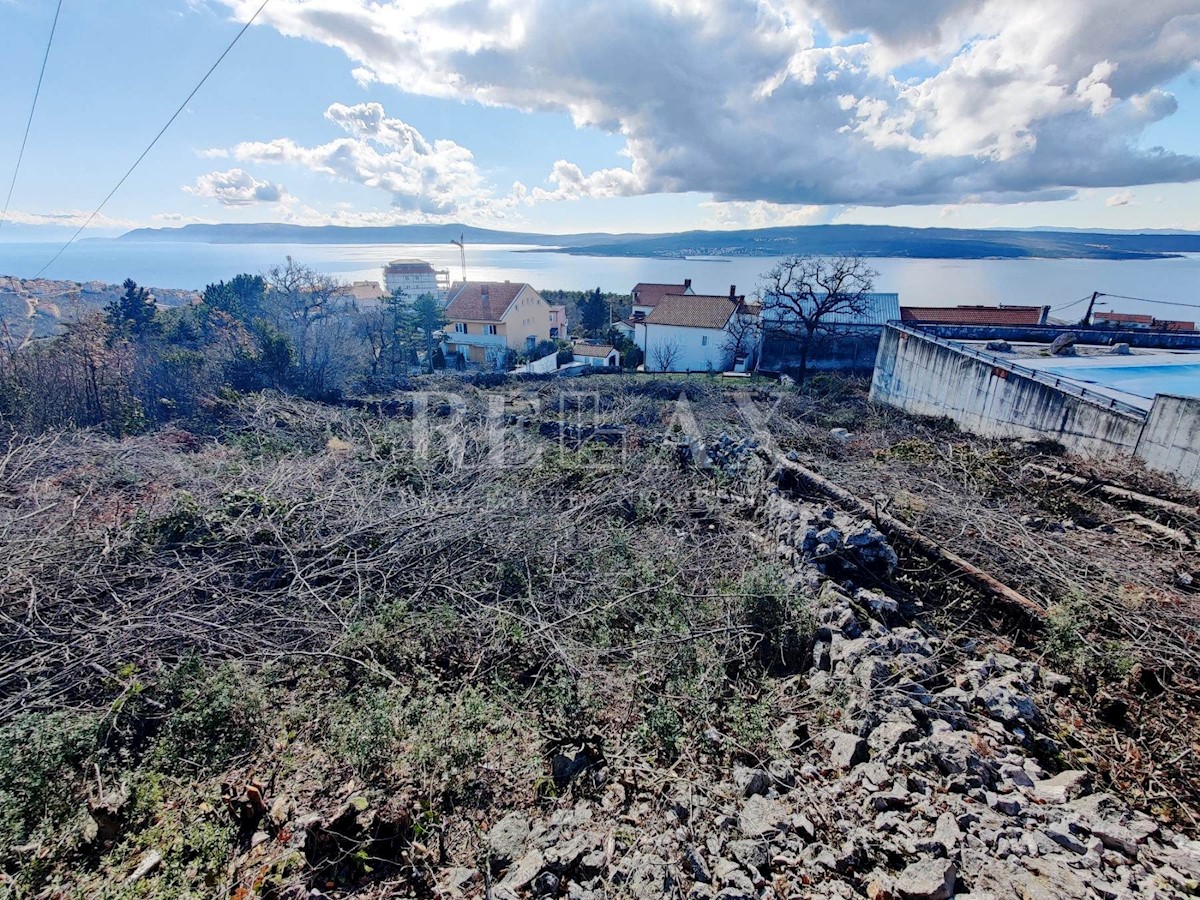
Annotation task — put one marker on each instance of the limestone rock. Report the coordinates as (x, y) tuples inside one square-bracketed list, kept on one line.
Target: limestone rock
[(927, 879)]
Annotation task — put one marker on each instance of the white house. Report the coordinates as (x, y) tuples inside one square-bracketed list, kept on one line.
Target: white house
[(596, 354), (700, 333), (645, 296)]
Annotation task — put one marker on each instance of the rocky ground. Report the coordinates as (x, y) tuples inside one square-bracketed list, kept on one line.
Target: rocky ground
[(931, 770), (35, 308), (639, 661)]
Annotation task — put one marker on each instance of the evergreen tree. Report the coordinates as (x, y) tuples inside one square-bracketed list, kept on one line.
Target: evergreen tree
[(593, 312), (428, 317), (240, 297), (133, 312)]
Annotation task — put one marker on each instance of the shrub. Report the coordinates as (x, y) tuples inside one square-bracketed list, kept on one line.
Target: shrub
[(214, 717), (42, 758), (779, 620)]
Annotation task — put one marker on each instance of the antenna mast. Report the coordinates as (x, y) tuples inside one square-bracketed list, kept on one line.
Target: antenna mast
[(461, 244)]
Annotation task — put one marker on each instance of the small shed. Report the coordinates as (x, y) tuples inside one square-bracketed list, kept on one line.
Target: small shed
[(596, 355)]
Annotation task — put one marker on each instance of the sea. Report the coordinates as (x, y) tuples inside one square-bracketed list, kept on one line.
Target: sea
[(1061, 283), (1166, 288)]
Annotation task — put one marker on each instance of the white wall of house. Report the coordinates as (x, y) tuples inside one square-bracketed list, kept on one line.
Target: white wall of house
[(613, 359), (695, 349)]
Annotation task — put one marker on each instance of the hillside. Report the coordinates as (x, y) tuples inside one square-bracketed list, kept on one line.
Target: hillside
[(865, 240), (36, 308), (283, 649)]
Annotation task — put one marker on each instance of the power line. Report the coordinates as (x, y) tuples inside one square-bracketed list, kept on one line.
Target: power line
[(33, 108), (1158, 302), (1072, 303), (150, 146)]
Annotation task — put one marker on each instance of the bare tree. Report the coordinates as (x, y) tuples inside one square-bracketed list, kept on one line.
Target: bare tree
[(741, 336), (310, 308), (665, 354), (804, 296)]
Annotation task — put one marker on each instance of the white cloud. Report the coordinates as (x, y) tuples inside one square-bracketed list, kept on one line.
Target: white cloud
[(73, 218), (1013, 100), (761, 214), (570, 183), (1122, 198), (436, 178), (237, 188)]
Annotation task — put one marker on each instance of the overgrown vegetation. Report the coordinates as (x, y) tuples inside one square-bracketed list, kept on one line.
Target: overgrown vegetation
[(315, 602)]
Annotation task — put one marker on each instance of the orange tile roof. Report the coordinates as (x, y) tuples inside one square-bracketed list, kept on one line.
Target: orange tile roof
[(649, 294), (596, 351), (365, 290), (467, 300), (1131, 318), (973, 315), (693, 311), (1147, 321)]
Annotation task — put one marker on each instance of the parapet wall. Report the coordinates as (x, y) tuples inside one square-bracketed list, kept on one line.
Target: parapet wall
[(927, 375), (1170, 440)]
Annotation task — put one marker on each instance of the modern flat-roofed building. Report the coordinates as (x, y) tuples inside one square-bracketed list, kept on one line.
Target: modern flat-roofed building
[(416, 277)]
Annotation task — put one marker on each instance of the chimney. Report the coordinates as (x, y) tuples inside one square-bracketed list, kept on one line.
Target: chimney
[(733, 292), (687, 283)]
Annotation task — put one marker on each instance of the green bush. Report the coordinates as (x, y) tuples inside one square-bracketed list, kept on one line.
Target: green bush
[(42, 761), (214, 716), (779, 620)]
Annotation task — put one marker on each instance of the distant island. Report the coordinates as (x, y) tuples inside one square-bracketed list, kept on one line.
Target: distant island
[(863, 240)]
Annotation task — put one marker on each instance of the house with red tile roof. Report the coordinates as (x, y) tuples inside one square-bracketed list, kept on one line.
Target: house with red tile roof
[(486, 319), (699, 333), (975, 315), (1135, 320), (645, 296)]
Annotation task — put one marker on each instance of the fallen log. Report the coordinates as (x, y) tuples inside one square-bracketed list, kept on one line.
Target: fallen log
[(1180, 537), (903, 533), (1115, 492)]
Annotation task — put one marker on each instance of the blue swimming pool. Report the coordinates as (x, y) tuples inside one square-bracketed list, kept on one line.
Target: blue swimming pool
[(1144, 381)]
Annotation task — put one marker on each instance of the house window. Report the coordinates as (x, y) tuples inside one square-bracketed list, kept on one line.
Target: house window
[(460, 327), (489, 329), (704, 340)]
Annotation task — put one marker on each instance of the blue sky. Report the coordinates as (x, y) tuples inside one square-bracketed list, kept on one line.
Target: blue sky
[(572, 115)]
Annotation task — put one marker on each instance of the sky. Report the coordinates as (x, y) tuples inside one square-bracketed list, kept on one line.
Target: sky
[(606, 115)]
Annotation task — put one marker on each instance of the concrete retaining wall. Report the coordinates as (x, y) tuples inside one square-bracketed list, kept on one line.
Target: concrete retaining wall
[(1170, 440), (928, 376)]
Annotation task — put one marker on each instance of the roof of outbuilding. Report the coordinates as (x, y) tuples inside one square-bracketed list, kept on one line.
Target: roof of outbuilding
[(692, 311), (1148, 321), (596, 351), (875, 309), (1125, 317), (974, 315), (466, 302)]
